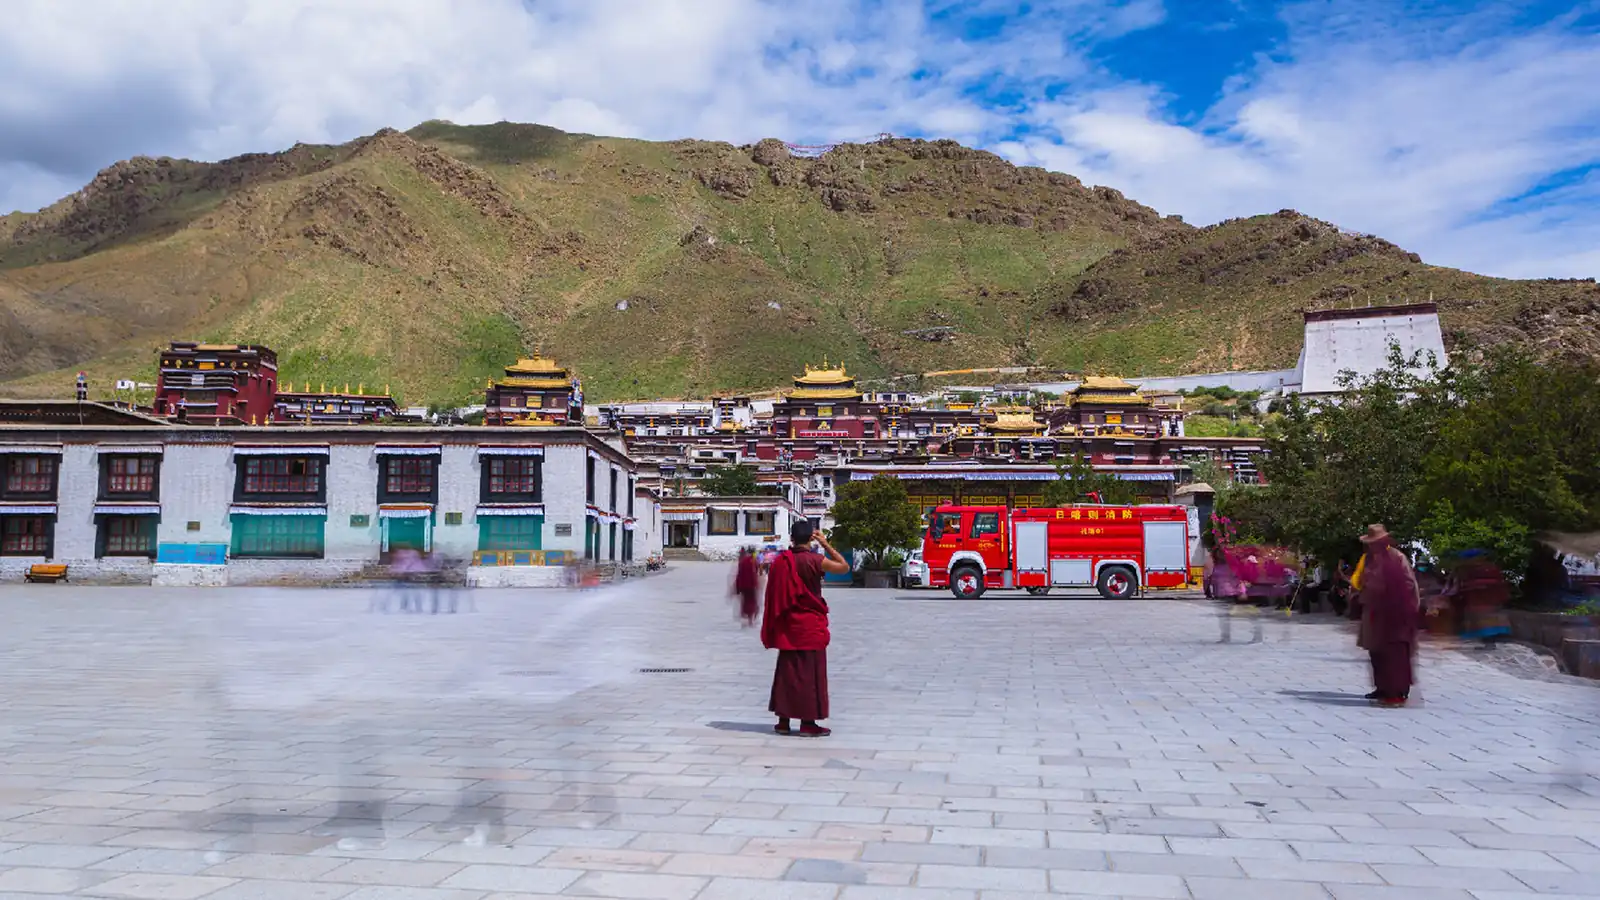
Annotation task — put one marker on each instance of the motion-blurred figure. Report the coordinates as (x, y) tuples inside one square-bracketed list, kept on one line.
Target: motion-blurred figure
[(1482, 592), (746, 580), (1231, 593), (409, 567)]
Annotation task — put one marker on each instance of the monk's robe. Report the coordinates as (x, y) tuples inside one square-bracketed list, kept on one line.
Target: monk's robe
[(796, 625)]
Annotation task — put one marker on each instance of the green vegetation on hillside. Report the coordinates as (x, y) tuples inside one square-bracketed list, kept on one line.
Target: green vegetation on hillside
[(429, 260)]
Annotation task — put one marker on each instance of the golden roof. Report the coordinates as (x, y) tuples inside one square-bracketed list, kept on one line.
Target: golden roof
[(1016, 422), (824, 393), (534, 420), (1106, 383), (538, 365), (519, 381), (824, 375)]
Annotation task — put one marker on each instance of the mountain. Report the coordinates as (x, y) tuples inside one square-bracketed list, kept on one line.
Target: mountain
[(429, 259)]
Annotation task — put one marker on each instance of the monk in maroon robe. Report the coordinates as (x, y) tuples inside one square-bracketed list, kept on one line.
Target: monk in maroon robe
[(1390, 616), (796, 625), (745, 581)]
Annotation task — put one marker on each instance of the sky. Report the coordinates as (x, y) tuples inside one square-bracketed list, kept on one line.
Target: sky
[(1466, 131)]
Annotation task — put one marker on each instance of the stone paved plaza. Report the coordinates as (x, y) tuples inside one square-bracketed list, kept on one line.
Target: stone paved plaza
[(307, 745)]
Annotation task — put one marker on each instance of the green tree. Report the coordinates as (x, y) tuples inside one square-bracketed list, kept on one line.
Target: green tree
[(876, 518), (730, 481), (1337, 466)]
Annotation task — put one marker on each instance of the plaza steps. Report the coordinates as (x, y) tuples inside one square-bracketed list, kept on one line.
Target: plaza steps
[(684, 554)]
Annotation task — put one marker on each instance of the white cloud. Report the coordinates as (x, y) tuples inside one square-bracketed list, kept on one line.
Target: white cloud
[(1419, 130)]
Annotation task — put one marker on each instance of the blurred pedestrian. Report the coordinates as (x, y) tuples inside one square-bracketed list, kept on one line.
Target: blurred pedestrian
[(1231, 594), (407, 566), (745, 582), (1482, 592), (1390, 615), (796, 625)]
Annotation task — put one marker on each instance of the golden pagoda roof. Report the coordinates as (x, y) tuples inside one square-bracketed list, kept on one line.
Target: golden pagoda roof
[(1108, 389), (522, 381), (824, 376), (534, 421), (538, 365), (1016, 422)]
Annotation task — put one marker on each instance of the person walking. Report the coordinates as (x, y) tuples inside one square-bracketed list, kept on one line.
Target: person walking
[(1390, 605), (796, 625), (745, 582)]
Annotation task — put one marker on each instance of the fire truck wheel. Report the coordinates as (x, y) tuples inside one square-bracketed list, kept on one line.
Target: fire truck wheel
[(1039, 591), (1116, 583), (966, 583)]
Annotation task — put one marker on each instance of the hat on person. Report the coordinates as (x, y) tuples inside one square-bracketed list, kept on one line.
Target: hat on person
[(1375, 533)]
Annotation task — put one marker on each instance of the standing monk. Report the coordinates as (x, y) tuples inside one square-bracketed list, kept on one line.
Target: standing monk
[(796, 625), (1389, 617)]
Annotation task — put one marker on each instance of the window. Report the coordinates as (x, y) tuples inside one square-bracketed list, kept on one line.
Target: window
[(984, 524), (31, 476), (511, 478), (611, 545), (824, 412), (25, 535), (510, 532), (129, 477), (282, 476), (632, 489), (408, 477), (588, 485), (627, 546), (760, 522), (128, 536), (723, 521), (278, 537)]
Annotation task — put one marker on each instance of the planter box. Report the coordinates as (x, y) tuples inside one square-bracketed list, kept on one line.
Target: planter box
[(1582, 657), (1576, 639), (879, 578)]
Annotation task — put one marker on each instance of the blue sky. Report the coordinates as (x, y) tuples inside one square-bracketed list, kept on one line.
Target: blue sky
[(1466, 131)]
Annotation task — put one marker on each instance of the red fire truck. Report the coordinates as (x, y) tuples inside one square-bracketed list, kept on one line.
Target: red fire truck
[(1117, 549)]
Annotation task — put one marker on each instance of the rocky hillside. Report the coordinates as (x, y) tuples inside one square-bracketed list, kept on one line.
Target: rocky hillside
[(428, 259)]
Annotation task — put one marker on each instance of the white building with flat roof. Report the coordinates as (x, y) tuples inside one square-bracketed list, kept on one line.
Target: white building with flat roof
[(241, 505), (1358, 340)]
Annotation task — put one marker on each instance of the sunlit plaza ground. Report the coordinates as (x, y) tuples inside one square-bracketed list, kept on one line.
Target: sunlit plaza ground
[(312, 744)]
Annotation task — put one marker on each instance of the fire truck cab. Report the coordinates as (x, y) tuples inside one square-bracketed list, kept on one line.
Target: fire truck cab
[(1119, 550)]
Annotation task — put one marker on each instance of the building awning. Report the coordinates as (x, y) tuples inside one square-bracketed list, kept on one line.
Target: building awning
[(959, 475), (1145, 476), (405, 510), (526, 450), (278, 510), (681, 516), (629, 524), (602, 515), (407, 449), (31, 448), (140, 449), (517, 509), (279, 450), (127, 509), (27, 509)]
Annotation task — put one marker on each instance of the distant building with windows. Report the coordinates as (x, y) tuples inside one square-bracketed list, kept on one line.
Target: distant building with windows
[(199, 505), (216, 384), (324, 407), (534, 391)]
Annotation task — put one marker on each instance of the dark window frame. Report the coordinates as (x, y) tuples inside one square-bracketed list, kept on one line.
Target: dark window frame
[(588, 486), (633, 488), (749, 523), (491, 468), (488, 525), (242, 476), (613, 506), (108, 478), (387, 495), (991, 519), (45, 496), (47, 533), (103, 538)]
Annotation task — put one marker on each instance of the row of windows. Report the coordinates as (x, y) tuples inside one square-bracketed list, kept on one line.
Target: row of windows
[(114, 536), (756, 522)]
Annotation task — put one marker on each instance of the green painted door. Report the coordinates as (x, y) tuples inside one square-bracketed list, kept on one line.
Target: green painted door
[(408, 533)]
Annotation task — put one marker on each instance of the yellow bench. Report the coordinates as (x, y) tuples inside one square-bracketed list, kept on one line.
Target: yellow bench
[(47, 572)]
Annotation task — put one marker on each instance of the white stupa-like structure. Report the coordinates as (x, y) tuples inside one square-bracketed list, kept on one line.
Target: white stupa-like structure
[(1358, 340)]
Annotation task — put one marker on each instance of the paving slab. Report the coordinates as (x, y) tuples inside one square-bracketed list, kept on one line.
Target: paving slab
[(227, 744)]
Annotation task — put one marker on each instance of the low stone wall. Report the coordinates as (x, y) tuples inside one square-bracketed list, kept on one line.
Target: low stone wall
[(1575, 639), (516, 576), (292, 572), (182, 575), (109, 570)]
